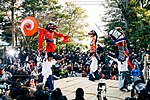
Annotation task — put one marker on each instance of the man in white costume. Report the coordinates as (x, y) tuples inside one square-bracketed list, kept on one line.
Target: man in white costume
[(93, 65), (124, 75), (47, 71)]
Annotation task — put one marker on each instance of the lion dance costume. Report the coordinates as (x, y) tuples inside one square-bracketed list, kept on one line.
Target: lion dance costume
[(118, 37), (29, 27), (48, 34)]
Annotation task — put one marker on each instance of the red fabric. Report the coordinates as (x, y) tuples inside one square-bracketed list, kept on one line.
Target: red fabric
[(120, 44), (103, 76), (112, 77), (40, 38), (66, 39), (59, 35), (93, 45), (130, 64), (126, 53), (45, 34), (1, 71), (93, 48)]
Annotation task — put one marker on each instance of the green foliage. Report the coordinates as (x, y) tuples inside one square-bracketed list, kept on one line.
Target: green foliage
[(70, 19), (73, 20), (44, 11), (5, 21), (133, 17)]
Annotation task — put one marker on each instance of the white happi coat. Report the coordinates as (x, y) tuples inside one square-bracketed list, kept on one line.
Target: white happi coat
[(46, 69), (93, 65)]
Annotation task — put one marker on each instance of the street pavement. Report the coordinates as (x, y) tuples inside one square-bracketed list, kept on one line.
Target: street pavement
[(69, 86)]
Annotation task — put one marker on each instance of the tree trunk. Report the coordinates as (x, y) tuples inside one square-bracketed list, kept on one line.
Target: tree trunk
[(13, 26)]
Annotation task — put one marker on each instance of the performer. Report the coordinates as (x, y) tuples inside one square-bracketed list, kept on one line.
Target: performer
[(48, 34), (93, 42), (29, 27), (124, 76), (47, 71), (93, 68), (118, 37), (93, 57)]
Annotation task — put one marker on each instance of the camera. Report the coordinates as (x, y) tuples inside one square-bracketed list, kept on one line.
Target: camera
[(138, 91), (101, 91)]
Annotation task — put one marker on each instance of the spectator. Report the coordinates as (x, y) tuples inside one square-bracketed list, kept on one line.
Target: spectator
[(39, 67), (5, 77), (30, 86), (1, 63), (99, 49), (135, 72), (57, 95), (39, 94), (73, 60), (6, 96), (79, 94), (22, 57), (64, 72), (106, 70), (15, 90), (114, 73), (24, 94), (35, 75)]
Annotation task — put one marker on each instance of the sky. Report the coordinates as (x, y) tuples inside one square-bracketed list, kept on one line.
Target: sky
[(95, 12)]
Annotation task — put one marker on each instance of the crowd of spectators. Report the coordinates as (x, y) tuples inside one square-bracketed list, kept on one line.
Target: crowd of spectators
[(22, 73)]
